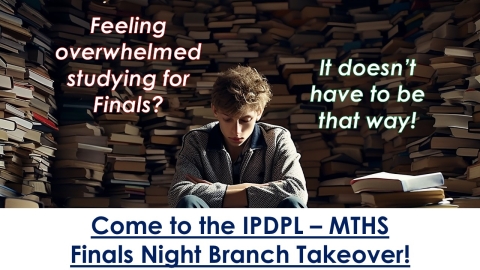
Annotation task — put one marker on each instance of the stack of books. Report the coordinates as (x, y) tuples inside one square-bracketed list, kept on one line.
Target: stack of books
[(397, 190), (27, 105)]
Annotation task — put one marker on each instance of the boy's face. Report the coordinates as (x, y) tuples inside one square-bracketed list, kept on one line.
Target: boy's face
[(237, 129)]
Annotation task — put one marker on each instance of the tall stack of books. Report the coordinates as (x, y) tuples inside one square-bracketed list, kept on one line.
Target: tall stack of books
[(466, 116), (79, 167), (27, 104), (164, 140), (464, 186), (125, 175)]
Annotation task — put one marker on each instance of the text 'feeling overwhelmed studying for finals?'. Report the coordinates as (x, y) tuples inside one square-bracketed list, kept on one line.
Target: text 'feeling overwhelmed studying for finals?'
[(113, 80)]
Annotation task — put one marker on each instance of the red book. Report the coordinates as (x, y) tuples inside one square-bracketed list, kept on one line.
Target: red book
[(44, 121)]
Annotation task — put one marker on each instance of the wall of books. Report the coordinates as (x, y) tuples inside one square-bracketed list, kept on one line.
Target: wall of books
[(56, 151)]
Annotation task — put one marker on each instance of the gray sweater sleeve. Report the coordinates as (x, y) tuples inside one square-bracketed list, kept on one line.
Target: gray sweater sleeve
[(189, 162), (287, 177)]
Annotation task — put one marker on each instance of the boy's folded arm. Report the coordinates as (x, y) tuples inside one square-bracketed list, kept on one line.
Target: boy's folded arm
[(212, 194), (236, 195), (287, 177)]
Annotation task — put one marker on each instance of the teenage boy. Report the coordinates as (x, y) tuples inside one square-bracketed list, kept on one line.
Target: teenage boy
[(238, 161)]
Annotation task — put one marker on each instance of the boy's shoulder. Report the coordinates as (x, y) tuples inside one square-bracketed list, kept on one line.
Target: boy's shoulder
[(203, 130), (272, 132), (268, 130)]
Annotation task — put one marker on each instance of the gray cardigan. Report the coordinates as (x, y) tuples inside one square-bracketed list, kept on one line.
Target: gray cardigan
[(271, 156)]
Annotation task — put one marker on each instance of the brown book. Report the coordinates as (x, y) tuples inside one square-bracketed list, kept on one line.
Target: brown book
[(20, 187), (460, 186), (439, 162), (62, 164), (127, 176), (94, 202), (311, 144), (69, 191), (165, 140), (84, 129), (335, 168), (14, 202), (93, 140), (353, 140), (123, 149), (80, 173), (467, 202), (129, 203), (346, 198), (155, 199), (313, 172), (6, 82), (72, 181), (71, 153), (314, 155), (334, 190), (118, 117), (126, 166), (415, 198), (473, 172), (116, 137), (121, 128), (449, 143)]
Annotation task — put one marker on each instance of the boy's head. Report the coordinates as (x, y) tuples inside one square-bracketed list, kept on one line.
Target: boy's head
[(238, 99)]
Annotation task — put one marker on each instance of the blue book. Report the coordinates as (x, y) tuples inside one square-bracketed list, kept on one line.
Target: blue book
[(395, 8), (352, 45), (8, 192)]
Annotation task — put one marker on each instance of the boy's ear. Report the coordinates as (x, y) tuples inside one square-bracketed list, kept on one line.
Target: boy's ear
[(259, 115), (214, 111)]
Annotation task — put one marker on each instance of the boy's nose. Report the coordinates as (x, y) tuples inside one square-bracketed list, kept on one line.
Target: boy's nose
[(238, 128)]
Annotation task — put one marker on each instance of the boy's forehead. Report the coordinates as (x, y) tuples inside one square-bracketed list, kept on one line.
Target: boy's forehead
[(242, 114)]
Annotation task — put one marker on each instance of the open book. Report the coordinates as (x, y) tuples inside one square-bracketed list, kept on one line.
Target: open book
[(391, 182)]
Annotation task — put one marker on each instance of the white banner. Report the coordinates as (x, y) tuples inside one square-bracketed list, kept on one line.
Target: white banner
[(60, 239)]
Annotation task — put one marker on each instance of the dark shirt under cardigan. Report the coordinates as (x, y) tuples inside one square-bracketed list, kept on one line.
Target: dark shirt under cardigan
[(269, 155)]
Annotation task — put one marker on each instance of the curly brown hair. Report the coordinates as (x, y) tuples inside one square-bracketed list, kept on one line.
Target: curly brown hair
[(239, 90)]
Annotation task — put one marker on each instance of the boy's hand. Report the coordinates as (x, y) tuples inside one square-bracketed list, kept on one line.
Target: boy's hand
[(196, 180), (247, 185), (274, 182)]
